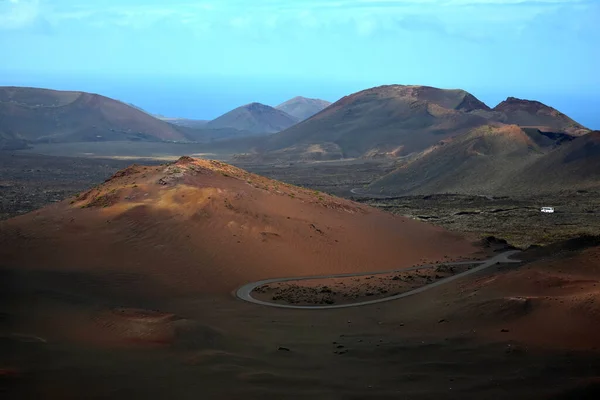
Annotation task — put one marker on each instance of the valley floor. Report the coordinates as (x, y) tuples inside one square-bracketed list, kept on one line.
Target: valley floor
[(82, 343), (517, 220), (511, 331), (29, 181)]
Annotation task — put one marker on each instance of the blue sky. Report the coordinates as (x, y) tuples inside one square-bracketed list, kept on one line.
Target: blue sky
[(201, 58)]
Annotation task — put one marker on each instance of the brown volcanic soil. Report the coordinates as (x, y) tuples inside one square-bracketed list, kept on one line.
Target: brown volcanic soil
[(551, 302), (484, 337), (348, 290), (109, 298), (31, 181), (206, 226)]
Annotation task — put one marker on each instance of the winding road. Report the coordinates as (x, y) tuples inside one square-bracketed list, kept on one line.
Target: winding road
[(245, 292)]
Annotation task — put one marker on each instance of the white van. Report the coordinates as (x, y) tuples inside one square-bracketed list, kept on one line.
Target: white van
[(547, 209)]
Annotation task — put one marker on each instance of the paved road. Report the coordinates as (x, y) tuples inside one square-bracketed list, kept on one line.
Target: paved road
[(245, 292)]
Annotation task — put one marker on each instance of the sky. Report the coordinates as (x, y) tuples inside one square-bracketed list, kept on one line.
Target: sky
[(199, 59)]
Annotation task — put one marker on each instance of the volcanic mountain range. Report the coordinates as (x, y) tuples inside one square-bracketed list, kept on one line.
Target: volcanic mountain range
[(390, 120), (442, 140), (32, 115), (446, 141), (397, 121)]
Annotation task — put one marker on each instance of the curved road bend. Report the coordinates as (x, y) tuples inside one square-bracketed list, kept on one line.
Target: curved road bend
[(245, 292)]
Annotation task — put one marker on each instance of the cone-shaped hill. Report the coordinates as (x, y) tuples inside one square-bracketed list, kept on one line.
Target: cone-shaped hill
[(254, 117), (529, 113), (198, 226)]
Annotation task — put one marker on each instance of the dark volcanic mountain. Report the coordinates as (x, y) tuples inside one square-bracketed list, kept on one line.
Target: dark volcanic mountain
[(573, 165), (477, 162), (394, 120), (302, 107), (254, 117), (499, 159), (30, 115), (535, 114)]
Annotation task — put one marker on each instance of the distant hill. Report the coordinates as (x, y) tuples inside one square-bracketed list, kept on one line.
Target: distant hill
[(31, 115), (499, 159), (391, 120), (535, 114), (476, 163), (302, 107), (254, 117), (573, 165)]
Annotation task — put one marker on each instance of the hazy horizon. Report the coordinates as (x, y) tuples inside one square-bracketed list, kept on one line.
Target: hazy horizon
[(200, 60)]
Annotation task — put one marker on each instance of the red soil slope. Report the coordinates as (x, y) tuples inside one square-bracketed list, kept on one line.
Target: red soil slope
[(550, 302), (203, 226)]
